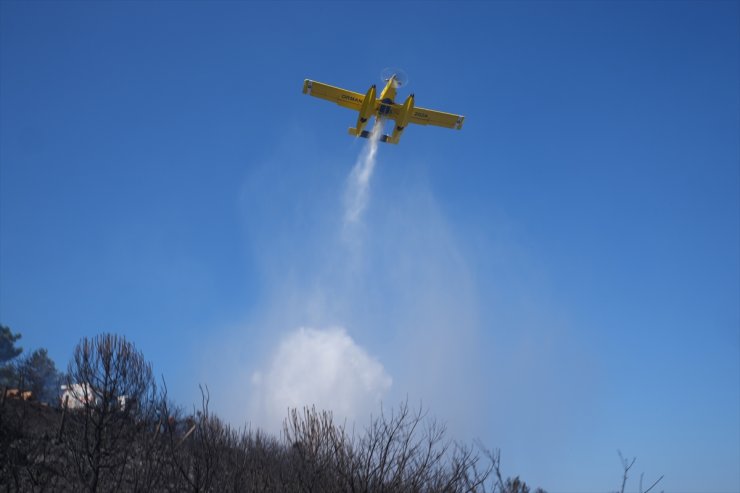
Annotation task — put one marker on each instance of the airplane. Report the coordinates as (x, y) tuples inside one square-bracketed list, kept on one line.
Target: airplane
[(382, 108)]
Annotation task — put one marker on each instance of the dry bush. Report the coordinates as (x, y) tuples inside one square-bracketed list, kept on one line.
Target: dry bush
[(402, 451)]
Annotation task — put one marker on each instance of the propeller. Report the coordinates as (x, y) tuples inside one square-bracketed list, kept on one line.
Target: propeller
[(402, 79)]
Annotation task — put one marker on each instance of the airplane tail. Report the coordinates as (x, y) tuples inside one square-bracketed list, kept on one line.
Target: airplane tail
[(366, 135)]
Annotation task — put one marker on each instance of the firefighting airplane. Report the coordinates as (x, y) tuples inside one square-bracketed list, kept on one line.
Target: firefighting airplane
[(382, 108)]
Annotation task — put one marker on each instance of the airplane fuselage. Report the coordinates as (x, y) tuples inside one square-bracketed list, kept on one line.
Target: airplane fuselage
[(387, 97)]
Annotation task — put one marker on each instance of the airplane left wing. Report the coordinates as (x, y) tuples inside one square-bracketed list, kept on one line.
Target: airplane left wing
[(348, 99), (423, 116)]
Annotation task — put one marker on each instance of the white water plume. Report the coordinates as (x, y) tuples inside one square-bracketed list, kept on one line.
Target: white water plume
[(356, 195), (323, 368)]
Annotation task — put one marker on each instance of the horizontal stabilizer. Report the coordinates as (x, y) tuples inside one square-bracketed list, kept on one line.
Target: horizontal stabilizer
[(366, 135)]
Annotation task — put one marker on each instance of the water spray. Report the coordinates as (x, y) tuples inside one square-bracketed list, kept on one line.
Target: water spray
[(356, 195)]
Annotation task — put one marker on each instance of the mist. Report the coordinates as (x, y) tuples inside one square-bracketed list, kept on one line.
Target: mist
[(366, 299), (355, 313)]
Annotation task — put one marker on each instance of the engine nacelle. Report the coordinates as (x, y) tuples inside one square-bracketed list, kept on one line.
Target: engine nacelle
[(403, 118), (366, 110)]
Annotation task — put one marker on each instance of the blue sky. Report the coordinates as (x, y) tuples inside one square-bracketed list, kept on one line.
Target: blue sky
[(561, 278)]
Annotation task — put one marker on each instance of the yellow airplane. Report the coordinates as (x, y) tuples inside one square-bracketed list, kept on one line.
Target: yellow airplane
[(382, 108)]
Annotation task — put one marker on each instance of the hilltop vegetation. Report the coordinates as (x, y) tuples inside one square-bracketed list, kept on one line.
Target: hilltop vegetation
[(96, 441), (150, 444)]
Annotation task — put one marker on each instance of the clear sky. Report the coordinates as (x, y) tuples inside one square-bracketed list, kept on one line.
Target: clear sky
[(560, 279)]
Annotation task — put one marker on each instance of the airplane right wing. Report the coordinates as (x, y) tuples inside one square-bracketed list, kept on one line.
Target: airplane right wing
[(423, 116), (348, 99)]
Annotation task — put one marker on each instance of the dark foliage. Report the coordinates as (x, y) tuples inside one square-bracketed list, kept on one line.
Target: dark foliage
[(34, 373), (8, 352), (148, 444), (37, 373)]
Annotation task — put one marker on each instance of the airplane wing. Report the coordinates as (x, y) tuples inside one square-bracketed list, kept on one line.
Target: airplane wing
[(423, 116), (348, 99)]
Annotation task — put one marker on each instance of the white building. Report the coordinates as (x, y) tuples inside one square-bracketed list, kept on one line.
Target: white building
[(77, 395)]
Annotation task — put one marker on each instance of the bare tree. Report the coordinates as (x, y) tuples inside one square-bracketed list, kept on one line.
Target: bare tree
[(626, 466), (204, 453), (114, 383)]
